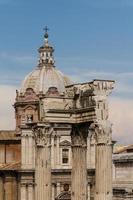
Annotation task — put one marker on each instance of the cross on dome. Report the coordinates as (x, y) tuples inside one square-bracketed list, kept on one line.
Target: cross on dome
[(46, 29)]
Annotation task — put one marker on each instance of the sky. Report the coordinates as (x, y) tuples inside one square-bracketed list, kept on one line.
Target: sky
[(92, 39)]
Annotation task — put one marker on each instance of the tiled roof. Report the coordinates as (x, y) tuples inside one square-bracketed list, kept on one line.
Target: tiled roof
[(10, 166), (8, 135)]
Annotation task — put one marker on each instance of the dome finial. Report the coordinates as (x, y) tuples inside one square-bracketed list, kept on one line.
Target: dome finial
[(46, 29)]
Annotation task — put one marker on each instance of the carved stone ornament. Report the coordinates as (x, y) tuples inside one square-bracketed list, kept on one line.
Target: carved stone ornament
[(42, 136), (102, 131), (79, 134)]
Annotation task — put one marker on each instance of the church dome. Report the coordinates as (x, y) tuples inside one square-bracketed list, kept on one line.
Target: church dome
[(45, 76)]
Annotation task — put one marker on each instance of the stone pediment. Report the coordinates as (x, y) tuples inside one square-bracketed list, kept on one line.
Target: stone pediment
[(65, 143)]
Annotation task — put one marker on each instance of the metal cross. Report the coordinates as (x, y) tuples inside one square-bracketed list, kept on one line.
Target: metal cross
[(46, 29)]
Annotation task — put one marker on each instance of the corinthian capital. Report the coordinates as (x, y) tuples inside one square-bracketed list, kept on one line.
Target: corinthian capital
[(42, 136), (79, 134), (102, 131)]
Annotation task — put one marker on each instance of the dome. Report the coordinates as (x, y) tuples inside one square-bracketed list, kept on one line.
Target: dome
[(43, 78)]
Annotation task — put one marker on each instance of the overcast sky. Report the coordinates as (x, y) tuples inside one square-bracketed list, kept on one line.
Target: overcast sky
[(92, 39)]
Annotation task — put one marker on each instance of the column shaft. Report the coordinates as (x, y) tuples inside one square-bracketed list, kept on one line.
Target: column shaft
[(88, 153), (43, 174), (58, 189), (1, 189), (89, 195), (23, 192), (53, 192), (79, 161), (58, 151), (52, 152), (30, 192), (79, 173), (103, 172)]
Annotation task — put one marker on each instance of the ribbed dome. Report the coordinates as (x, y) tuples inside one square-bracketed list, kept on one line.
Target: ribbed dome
[(43, 78)]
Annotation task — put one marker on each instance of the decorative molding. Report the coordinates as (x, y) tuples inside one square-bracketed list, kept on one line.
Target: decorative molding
[(65, 143)]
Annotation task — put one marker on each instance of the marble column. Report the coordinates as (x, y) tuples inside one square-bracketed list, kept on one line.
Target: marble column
[(79, 135), (43, 188), (103, 187)]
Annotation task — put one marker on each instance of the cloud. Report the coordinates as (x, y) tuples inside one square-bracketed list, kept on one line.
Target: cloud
[(121, 115), (7, 98)]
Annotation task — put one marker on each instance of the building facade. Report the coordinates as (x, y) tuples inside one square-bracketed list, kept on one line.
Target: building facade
[(62, 145)]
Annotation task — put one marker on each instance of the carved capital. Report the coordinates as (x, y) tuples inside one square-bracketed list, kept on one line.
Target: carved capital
[(42, 136), (102, 132), (79, 134)]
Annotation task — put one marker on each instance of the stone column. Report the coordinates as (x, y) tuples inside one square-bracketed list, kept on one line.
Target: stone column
[(30, 191), (58, 151), (89, 196), (103, 187), (53, 192), (43, 165), (1, 188), (23, 192), (9, 195), (52, 152), (58, 189), (88, 153), (79, 161), (27, 149)]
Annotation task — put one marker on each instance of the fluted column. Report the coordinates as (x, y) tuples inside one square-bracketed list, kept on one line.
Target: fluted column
[(79, 161), (43, 166), (103, 188)]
